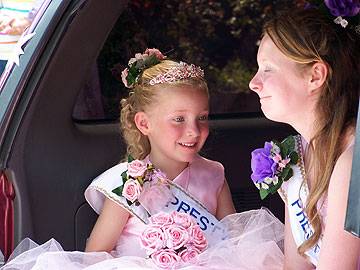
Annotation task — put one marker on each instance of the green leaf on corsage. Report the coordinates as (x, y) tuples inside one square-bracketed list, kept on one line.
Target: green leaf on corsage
[(118, 191)]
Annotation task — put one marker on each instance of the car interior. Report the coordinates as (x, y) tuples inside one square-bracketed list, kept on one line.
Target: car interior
[(54, 157)]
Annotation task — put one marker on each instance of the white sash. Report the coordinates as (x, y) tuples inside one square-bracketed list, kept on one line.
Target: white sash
[(297, 193), (183, 202), (103, 185)]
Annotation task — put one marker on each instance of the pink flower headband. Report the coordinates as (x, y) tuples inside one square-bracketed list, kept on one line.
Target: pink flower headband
[(152, 57)]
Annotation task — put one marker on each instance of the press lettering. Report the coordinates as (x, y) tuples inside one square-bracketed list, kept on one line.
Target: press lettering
[(303, 216), (203, 223), (183, 206), (176, 201), (192, 213), (298, 203), (305, 226)]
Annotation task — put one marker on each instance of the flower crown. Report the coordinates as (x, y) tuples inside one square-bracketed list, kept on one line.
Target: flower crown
[(152, 57), (346, 12)]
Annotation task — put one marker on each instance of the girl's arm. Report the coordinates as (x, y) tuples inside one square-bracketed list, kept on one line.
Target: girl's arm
[(108, 227), (339, 249), (225, 205), (293, 260)]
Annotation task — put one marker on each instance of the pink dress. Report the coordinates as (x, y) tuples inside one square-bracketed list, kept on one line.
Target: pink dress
[(254, 237), (204, 189)]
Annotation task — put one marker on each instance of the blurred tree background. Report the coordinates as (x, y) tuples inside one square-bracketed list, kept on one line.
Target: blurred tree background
[(220, 36)]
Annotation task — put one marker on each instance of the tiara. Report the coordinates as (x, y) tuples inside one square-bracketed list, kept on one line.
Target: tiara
[(180, 72)]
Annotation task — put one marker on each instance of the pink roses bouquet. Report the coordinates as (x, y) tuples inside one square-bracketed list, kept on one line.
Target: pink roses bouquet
[(144, 184), (172, 238)]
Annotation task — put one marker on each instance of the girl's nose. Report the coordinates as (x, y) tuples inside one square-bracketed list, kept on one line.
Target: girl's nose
[(193, 130), (255, 84)]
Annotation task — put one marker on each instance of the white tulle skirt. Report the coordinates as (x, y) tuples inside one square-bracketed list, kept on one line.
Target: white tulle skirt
[(255, 242)]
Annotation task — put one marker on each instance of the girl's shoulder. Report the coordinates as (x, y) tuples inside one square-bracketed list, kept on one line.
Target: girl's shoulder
[(342, 168), (207, 165)]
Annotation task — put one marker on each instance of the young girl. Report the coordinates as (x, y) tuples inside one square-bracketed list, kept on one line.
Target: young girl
[(308, 77), (145, 204), (165, 121)]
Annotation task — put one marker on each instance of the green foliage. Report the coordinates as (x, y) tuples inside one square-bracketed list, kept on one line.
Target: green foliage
[(263, 193), (137, 68), (118, 191), (233, 78), (124, 176), (220, 36), (288, 145)]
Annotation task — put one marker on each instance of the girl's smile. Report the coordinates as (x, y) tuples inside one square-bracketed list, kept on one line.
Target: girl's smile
[(177, 126)]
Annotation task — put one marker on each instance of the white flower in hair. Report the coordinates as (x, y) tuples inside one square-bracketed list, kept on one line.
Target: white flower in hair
[(341, 21)]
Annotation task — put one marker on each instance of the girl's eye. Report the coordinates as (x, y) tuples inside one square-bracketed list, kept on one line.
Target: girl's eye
[(267, 69), (203, 118), (179, 119)]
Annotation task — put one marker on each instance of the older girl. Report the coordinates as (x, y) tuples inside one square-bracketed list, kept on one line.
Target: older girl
[(308, 78)]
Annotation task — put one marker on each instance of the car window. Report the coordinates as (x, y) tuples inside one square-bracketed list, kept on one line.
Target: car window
[(220, 36)]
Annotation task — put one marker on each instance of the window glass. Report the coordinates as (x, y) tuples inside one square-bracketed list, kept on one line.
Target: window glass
[(220, 36)]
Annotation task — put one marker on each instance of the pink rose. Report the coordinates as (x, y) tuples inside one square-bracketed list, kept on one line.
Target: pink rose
[(189, 253), (197, 238), (182, 219), (124, 75), (161, 219), (136, 168), (140, 56), (176, 236), (157, 53), (152, 239), (165, 259), (132, 190)]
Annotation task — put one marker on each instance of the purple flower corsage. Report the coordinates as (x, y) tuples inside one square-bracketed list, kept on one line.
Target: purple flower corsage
[(271, 165)]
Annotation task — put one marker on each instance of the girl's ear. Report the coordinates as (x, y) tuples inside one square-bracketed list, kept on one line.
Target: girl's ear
[(319, 73), (142, 122)]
